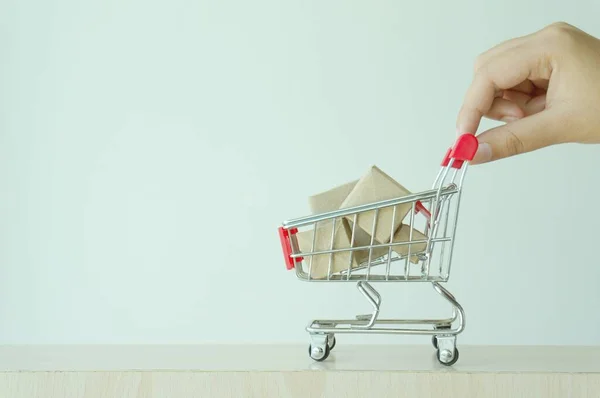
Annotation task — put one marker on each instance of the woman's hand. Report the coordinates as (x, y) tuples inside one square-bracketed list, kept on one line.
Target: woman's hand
[(545, 86)]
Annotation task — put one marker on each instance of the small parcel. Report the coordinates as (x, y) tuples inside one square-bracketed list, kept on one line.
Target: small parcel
[(373, 186)]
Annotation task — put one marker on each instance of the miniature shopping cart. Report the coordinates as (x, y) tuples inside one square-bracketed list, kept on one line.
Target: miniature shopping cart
[(424, 259)]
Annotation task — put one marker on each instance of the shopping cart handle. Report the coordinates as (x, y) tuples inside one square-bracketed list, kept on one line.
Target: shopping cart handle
[(464, 150), (286, 246)]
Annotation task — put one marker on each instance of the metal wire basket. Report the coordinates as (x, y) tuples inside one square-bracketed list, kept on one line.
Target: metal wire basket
[(407, 256)]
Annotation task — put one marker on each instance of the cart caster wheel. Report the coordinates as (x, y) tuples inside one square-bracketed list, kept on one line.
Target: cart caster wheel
[(331, 342), (318, 354), (445, 359), (434, 340)]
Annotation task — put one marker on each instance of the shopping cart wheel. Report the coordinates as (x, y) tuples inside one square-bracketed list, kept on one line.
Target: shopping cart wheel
[(331, 341), (319, 354), (445, 358), (434, 337)]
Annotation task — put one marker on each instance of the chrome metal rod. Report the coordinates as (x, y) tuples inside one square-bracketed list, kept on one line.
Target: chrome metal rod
[(373, 278), (381, 245), (333, 322), (374, 298), (393, 230), (362, 326), (352, 244), (303, 221)]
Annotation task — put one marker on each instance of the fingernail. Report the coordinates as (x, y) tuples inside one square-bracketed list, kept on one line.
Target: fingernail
[(508, 119), (483, 154)]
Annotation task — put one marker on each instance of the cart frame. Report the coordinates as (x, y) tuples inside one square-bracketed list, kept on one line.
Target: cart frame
[(438, 208)]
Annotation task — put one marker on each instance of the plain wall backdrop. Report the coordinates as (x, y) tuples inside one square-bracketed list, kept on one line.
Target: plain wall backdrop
[(150, 149)]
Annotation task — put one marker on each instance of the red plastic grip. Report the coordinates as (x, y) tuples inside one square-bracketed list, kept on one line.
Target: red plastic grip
[(464, 150), (446, 158), (284, 237)]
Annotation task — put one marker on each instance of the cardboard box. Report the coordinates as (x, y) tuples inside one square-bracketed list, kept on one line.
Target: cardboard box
[(332, 200), (361, 238), (403, 235), (322, 241), (376, 186)]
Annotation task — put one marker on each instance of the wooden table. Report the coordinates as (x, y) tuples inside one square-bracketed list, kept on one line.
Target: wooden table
[(286, 371)]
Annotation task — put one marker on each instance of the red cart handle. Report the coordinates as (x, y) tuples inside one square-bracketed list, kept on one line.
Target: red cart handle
[(286, 246), (464, 150)]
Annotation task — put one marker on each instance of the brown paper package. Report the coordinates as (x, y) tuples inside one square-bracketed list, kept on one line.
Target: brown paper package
[(403, 235), (332, 200), (320, 263), (342, 236), (376, 186)]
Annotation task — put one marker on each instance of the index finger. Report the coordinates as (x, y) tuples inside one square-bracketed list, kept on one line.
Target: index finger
[(503, 71), (478, 101)]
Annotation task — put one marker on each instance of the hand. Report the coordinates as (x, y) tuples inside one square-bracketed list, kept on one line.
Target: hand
[(545, 86)]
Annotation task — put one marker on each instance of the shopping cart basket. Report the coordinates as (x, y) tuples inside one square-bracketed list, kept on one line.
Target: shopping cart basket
[(423, 259)]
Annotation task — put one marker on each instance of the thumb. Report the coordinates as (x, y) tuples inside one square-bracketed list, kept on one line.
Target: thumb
[(524, 135)]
